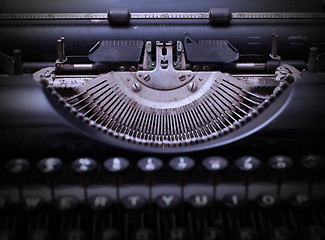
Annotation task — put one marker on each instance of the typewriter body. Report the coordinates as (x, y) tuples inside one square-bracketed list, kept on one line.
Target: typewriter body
[(162, 121)]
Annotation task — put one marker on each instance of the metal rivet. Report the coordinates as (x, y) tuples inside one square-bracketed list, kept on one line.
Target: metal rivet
[(136, 87), (192, 87), (140, 75), (200, 79), (189, 74)]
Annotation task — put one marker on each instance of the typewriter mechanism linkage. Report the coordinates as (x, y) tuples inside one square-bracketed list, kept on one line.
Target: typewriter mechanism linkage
[(175, 97)]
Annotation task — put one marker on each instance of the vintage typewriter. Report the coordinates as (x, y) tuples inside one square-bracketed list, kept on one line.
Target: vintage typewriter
[(163, 120)]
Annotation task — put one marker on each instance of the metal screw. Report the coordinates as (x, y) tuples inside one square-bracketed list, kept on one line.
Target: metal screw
[(47, 74), (122, 68), (206, 68), (189, 74), (140, 75), (146, 77), (136, 87), (182, 77), (133, 68), (196, 68), (192, 86)]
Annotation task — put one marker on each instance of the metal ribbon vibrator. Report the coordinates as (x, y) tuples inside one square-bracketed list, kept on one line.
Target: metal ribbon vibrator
[(162, 125)]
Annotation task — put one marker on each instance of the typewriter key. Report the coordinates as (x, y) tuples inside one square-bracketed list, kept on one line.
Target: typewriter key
[(133, 201), (168, 201), (234, 200), (178, 233), (215, 163), (17, 165), (40, 234), (75, 234), (182, 164), (312, 161), (110, 234), (281, 233), (150, 164), (84, 165), (116, 164), (301, 200), (247, 163), (4, 202), (144, 234), (50, 165), (66, 203), (32, 202), (99, 202), (201, 200), (267, 200), (280, 162)]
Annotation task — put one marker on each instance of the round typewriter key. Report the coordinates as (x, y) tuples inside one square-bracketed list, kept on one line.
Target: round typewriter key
[(280, 162), (143, 234), (215, 163), (84, 165), (201, 200), (267, 200), (50, 165), (247, 233), (32, 202), (314, 232), (133, 201), (40, 234), (75, 234), (99, 202), (17, 165), (110, 234), (150, 164), (247, 163), (182, 163), (212, 233), (168, 201), (6, 234), (234, 200), (281, 233), (66, 203), (116, 164), (178, 233), (312, 161), (4, 202), (301, 200)]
